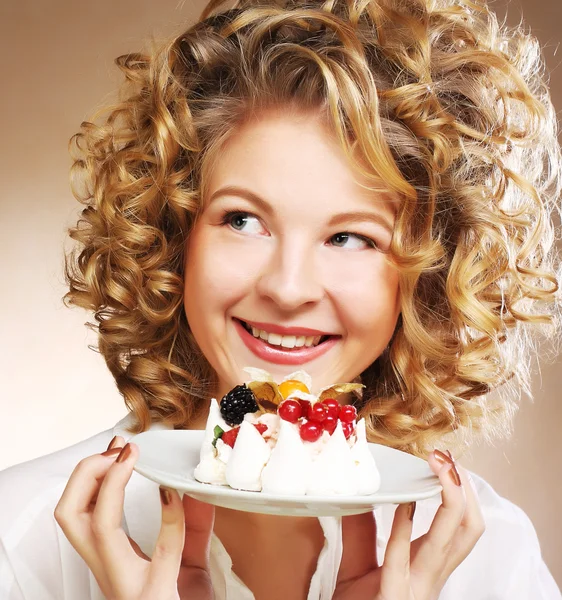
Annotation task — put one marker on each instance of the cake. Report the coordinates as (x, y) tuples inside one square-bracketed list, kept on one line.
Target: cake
[(281, 439)]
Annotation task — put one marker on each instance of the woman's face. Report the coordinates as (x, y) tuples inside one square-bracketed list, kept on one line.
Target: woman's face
[(285, 267)]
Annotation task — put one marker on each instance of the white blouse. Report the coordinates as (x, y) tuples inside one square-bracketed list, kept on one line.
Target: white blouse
[(38, 563)]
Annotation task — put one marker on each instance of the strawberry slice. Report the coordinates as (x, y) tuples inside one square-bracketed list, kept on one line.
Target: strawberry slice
[(229, 437)]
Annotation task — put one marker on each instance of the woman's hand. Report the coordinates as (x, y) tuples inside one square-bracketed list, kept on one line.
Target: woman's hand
[(90, 513), (412, 570)]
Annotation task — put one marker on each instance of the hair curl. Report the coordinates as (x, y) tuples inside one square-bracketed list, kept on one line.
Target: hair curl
[(449, 108)]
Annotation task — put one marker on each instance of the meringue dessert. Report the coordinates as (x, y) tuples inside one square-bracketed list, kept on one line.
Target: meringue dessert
[(283, 440)]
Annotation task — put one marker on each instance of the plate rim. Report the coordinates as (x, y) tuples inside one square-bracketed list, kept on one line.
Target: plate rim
[(192, 486)]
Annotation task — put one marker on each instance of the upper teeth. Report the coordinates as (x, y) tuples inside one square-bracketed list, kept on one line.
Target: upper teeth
[(287, 341)]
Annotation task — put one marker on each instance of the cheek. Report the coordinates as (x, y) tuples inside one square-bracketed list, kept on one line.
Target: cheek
[(369, 301), (218, 272)]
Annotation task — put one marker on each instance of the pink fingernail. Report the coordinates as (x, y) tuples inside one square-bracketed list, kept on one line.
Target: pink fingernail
[(443, 458), (165, 496), (125, 453), (455, 475), (411, 511), (448, 459), (112, 452)]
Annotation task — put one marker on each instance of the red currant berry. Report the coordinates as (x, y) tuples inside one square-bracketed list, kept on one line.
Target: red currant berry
[(310, 431), (229, 437), (318, 412), (290, 410), (333, 407), (348, 413), (330, 424), (261, 427), (305, 405), (348, 428)]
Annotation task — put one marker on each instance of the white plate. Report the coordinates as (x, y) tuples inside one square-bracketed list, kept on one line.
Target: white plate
[(170, 457)]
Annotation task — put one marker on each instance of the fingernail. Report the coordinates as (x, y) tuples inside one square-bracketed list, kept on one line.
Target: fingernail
[(124, 455), (112, 452), (411, 510), (448, 459), (443, 458), (112, 443), (455, 475), (165, 496)]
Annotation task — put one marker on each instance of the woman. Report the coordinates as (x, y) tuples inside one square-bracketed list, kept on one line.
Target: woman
[(371, 175)]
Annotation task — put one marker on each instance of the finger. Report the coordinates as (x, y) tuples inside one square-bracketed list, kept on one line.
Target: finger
[(199, 522), (430, 552), (113, 449), (111, 541), (358, 532), (76, 501), (453, 503), (138, 550), (395, 572), (108, 512), (116, 442), (471, 528), (167, 555), (473, 518), (73, 511)]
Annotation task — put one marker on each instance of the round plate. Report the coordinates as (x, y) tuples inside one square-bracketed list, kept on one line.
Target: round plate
[(169, 458)]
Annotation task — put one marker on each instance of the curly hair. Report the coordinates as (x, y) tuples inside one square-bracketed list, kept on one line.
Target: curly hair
[(448, 108)]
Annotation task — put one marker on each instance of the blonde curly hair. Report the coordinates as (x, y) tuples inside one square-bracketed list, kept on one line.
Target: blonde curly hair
[(447, 107)]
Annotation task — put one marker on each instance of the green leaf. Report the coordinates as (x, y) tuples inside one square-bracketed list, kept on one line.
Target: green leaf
[(218, 431)]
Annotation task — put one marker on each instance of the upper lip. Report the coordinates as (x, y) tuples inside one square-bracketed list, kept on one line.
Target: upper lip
[(285, 329)]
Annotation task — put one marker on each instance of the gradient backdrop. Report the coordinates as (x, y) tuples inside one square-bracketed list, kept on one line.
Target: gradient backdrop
[(57, 66)]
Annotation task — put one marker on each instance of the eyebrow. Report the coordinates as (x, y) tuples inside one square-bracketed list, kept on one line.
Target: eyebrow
[(234, 190), (351, 217), (361, 216)]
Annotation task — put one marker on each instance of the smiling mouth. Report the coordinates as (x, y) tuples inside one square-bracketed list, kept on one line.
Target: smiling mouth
[(285, 342)]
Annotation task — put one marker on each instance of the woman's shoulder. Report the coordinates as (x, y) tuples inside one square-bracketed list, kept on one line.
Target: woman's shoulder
[(57, 460), (29, 492), (498, 511), (27, 486), (509, 529), (51, 467), (36, 560), (507, 558), (496, 507), (507, 525)]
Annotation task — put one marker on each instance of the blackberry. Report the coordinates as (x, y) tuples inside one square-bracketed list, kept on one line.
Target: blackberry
[(239, 401)]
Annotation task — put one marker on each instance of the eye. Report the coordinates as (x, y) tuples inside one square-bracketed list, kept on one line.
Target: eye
[(242, 221), (352, 241)]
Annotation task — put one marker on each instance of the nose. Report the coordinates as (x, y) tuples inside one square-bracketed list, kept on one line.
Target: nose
[(290, 278)]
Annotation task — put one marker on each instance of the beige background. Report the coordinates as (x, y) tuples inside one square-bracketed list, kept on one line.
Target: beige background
[(56, 67)]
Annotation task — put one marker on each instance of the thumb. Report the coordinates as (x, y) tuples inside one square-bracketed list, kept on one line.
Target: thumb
[(199, 521), (166, 558)]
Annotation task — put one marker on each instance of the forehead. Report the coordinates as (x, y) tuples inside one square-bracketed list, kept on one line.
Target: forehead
[(285, 157)]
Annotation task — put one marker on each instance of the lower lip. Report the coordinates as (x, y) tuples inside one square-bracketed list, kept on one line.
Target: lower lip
[(279, 356)]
